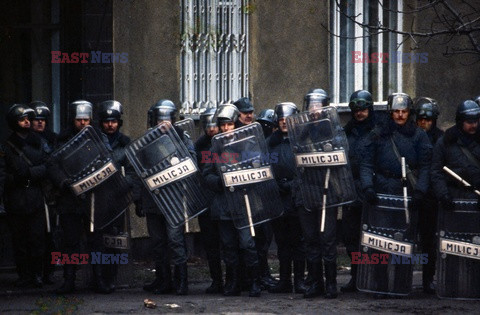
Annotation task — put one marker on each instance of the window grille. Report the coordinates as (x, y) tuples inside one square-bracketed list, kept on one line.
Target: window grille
[(214, 54), (381, 79)]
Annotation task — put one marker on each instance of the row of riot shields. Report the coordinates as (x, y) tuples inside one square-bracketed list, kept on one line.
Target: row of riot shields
[(386, 231)]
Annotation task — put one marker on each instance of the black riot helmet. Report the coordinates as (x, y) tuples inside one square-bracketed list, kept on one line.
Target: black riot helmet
[(360, 100), (267, 120), (206, 118), (80, 109), (244, 105), (284, 110), (226, 113), (477, 100), (40, 109), (110, 110), (315, 98), (467, 110), (161, 110), (398, 101), (267, 116), (15, 113), (426, 108)]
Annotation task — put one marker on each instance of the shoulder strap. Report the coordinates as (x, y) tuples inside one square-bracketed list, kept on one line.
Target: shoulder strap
[(411, 178), (469, 156), (20, 152)]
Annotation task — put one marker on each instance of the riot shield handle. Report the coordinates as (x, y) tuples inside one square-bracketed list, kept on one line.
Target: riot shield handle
[(405, 194), (92, 211), (249, 214), (461, 180), (324, 203), (47, 215)]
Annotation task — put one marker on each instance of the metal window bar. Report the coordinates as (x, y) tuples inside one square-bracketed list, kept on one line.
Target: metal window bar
[(346, 76), (214, 53)]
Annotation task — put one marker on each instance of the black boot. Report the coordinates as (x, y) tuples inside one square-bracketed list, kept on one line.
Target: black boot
[(231, 281), (309, 278), (266, 281), (331, 280), (285, 283), (109, 273), (165, 286), (217, 279), (68, 285), (48, 270), (299, 276), (351, 286), (255, 289), (181, 279), (316, 286), (24, 278), (101, 285), (157, 282), (37, 269)]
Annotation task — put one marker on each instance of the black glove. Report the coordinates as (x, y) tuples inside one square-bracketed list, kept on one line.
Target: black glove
[(417, 199), (447, 203), (370, 196), (139, 209)]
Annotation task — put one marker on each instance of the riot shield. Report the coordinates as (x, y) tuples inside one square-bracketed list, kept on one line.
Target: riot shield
[(169, 173), (89, 167), (458, 262), (321, 154), (188, 126), (386, 234), (245, 167)]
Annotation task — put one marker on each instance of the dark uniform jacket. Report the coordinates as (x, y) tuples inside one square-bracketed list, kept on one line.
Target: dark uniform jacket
[(356, 133), (202, 144), (448, 153), (380, 167), (23, 184), (285, 171)]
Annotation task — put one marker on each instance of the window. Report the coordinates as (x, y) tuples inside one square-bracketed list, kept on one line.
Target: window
[(347, 76), (214, 54)]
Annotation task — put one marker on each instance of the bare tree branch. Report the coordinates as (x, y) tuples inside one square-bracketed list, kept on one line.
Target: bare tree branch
[(449, 23)]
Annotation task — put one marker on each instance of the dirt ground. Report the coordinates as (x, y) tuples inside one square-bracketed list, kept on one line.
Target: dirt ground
[(129, 297)]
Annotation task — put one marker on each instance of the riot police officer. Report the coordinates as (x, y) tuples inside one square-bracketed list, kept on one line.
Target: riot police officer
[(381, 170), (361, 123), (233, 239), (208, 227), (459, 150), (40, 122), (245, 112), (426, 114), (164, 236), (266, 119), (75, 210), (381, 160), (321, 249), (287, 228), (449, 151), (39, 125), (24, 200), (263, 232), (110, 116)]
